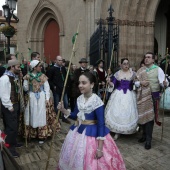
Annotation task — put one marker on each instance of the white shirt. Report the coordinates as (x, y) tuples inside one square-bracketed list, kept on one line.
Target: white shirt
[(5, 92)]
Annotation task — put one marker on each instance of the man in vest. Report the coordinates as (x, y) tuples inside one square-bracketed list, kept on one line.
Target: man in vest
[(151, 78), (10, 104)]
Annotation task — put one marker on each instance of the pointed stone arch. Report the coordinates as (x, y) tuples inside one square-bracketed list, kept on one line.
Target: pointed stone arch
[(43, 13)]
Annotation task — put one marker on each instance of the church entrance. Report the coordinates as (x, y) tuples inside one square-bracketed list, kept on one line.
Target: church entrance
[(51, 41)]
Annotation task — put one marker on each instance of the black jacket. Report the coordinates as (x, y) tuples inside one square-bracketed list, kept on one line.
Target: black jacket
[(2, 70), (56, 79)]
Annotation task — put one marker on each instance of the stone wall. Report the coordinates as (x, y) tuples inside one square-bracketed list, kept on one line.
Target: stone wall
[(136, 19), (35, 14)]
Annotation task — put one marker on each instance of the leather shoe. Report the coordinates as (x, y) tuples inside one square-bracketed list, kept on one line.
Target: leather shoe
[(14, 153), (148, 145), (19, 145), (141, 140)]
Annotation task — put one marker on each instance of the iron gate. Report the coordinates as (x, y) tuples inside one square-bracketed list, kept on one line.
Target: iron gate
[(101, 42)]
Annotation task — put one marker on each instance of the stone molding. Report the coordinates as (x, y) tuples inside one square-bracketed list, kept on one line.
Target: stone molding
[(135, 23), (128, 23), (53, 11)]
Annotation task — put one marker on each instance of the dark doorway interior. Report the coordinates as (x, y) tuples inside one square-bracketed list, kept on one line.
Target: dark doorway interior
[(168, 27)]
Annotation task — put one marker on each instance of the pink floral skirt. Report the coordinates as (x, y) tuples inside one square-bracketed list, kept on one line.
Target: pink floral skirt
[(78, 153)]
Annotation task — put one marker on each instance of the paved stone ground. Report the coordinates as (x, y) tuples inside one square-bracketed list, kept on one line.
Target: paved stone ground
[(134, 154)]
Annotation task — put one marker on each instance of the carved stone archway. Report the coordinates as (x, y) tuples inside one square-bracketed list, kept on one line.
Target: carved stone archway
[(43, 13)]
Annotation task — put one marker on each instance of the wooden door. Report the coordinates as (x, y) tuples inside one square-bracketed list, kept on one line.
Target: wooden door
[(51, 41)]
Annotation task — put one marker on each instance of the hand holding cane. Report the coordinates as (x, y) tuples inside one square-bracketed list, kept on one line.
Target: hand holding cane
[(63, 92)]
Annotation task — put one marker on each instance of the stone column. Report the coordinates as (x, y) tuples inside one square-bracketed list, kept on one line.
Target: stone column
[(90, 22)]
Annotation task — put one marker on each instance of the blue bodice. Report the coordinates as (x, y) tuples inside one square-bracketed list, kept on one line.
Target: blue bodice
[(96, 130)]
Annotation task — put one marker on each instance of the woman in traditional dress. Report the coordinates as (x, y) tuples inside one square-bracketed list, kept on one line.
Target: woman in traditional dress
[(39, 114), (88, 145), (101, 75), (121, 115)]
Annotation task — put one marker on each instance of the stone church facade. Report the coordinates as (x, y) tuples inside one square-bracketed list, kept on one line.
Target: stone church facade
[(47, 26)]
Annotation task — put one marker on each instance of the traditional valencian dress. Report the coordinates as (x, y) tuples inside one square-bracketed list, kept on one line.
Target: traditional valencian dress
[(101, 75), (39, 118), (121, 115), (81, 143)]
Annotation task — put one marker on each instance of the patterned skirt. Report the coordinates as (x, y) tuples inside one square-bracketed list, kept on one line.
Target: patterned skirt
[(41, 132), (78, 153)]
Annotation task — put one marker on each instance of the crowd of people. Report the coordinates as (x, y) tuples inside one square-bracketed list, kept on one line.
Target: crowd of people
[(99, 102)]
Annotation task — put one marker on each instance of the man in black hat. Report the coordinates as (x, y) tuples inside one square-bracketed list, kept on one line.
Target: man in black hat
[(83, 68), (101, 76)]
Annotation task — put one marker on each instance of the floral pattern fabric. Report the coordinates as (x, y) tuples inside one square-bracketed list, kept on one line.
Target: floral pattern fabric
[(41, 132)]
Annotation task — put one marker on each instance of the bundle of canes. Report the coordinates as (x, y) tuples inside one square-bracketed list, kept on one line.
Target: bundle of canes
[(27, 102), (62, 96), (23, 104), (163, 113), (107, 84)]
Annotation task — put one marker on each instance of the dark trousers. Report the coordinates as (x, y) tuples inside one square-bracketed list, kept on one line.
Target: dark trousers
[(148, 130), (11, 124), (72, 103), (148, 127)]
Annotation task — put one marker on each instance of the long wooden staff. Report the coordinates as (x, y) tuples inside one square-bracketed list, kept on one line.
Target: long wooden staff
[(163, 113), (25, 128), (28, 99), (104, 96), (23, 104), (62, 96)]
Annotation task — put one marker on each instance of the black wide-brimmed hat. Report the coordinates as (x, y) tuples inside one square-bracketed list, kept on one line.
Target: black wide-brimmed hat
[(83, 60), (98, 61)]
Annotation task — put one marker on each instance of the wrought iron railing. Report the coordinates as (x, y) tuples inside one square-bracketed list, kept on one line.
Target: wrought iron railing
[(101, 42)]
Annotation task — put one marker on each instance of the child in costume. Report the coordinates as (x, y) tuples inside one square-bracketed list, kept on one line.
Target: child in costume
[(88, 145)]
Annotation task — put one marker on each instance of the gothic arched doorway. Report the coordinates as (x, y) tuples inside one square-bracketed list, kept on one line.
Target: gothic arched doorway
[(51, 41)]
